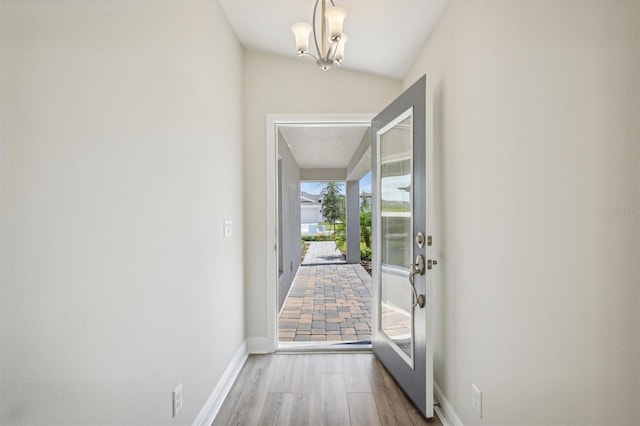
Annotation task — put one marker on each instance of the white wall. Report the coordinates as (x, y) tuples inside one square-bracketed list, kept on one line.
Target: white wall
[(120, 156), (276, 85), (537, 112)]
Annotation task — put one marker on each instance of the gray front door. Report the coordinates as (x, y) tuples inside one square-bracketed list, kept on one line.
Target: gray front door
[(401, 296)]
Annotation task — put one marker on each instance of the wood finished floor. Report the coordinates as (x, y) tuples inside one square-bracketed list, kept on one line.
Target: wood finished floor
[(317, 389)]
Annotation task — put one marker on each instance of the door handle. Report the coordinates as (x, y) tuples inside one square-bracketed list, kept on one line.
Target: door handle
[(417, 269)]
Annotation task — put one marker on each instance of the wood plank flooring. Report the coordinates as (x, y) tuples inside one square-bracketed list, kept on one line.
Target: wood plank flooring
[(317, 389)]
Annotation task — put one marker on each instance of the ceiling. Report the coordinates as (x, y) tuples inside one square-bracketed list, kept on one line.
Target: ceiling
[(323, 146), (384, 35)]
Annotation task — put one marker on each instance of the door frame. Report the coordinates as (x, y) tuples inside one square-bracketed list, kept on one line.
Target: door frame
[(272, 123)]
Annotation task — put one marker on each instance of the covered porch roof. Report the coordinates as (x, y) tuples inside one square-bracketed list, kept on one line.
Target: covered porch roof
[(329, 152)]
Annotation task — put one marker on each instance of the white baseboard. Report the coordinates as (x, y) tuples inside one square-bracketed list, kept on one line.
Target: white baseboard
[(445, 411), (212, 406), (257, 345)]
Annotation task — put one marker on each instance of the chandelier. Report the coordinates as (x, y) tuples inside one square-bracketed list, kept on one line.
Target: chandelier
[(331, 17)]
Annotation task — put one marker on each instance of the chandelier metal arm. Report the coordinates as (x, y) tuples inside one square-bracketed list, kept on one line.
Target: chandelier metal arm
[(309, 54), (323, 25), (313, 25)]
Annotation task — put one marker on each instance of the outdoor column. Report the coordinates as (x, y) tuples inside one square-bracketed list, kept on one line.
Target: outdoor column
[(353, 221)]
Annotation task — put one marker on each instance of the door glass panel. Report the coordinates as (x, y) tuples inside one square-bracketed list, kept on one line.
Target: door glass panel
[(396, 242)]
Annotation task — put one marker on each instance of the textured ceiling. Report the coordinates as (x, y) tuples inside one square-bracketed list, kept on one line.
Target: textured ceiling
[(384, 35), (319, 147)]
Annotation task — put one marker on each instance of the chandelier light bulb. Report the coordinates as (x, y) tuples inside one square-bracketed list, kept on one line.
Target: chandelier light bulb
[(339, 55), (335, 16), (301, 30)]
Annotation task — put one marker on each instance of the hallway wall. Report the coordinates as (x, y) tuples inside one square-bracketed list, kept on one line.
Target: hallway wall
[(289, 209), (276, 85), (120, 157), (537, 143)]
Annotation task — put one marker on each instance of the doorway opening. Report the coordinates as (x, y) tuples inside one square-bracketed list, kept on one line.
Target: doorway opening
[(329, 300), (323, 299), (402, 159)]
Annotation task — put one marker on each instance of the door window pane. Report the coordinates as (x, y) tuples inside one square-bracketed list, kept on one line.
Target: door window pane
[(396, 242)]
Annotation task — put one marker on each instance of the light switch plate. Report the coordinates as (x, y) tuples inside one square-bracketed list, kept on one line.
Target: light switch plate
[(228, 229), (476, 400), (177, 400)]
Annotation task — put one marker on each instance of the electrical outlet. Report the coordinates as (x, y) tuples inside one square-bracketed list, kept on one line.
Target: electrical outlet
[(228, 228), (476, 400), (177, 400)]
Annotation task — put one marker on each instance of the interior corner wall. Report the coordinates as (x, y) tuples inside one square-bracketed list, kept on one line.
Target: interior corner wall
[(537, 154), (120, 157), (289, 208), (278, 85)]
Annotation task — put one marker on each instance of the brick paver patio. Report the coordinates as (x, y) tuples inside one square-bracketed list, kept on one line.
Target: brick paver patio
[(329, 300)]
